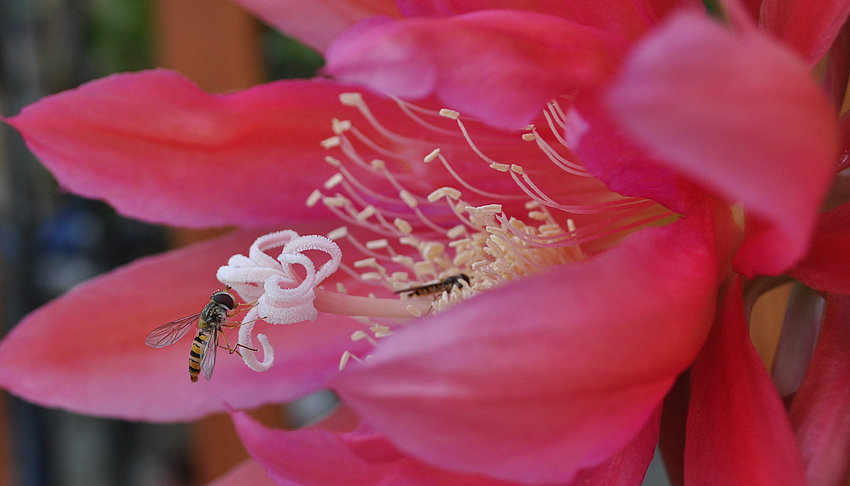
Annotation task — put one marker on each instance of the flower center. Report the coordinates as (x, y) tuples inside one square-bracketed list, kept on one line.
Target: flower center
[(437, 209)]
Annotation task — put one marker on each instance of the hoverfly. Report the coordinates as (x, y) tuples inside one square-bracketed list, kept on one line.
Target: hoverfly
[(445, 285), (211, 320)]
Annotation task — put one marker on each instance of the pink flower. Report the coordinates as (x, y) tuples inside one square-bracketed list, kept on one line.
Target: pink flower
[(604, 246)]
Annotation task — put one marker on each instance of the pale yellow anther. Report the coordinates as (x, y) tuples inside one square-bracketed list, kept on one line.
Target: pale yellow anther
[(532, 204), (340, 126), (315, 197), (486, 209), (332, 161), (351, 99), (414, 311), (366, 213), (409, 240), (454, 115), (335, 201), (433, 155), (333, 181), (340, 288), (408, 198), (500, 167), (538, 215), (338, 233), (330, 142), (571, 225), (377, 244), (371, 277), (398, 277), (378, 164), (529, 137), (404, 260), (517, 169), (403, 226), (456, 231), (423, 268), (431, 250), (366, 262), (449, 192), (460, 242)]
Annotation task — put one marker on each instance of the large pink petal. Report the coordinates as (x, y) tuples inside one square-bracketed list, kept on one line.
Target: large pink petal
[(622, 164), (627, 17), (86, 351), (738, 431), (820, 411), (827, 265), (318, 22), (810, 31), (157, 148), (536, 380), (741, 115), (498, 65), (318, 457), (628, 466), (248, 473)]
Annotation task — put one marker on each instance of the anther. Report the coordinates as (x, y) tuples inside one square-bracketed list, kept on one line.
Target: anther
[(366, 213), (338, 233), (433, 155), (452, 114), (351, 99), (315, 196), (334, 181), (330, 142), (377, 244)]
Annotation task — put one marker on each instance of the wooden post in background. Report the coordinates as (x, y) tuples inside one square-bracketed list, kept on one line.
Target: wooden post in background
[(216, 44)]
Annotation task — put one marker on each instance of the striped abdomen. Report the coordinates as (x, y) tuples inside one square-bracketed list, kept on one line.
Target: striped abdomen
[(199, 348)]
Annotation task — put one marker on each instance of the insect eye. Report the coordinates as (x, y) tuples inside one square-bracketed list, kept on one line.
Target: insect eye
[(224, 299)]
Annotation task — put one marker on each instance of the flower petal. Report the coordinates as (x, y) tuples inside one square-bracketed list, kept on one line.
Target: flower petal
[(809, 31), (627, 17), (249, 472), (86, 352), (819, 411), (827, 265), (741, 115), (318, 457), (537, 380), (498, 65), (159, 149), (318, 22), (738, 431)]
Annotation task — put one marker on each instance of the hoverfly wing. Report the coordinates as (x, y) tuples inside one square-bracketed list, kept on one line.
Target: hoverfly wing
[(170, 333), (208, 354)]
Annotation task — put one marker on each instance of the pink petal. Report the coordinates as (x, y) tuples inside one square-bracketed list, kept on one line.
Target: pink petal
[(536, 380), (738, 431), (623, 165), (248, 473), (627, 17), (317, 457), (820, 408), (318, 22), (499, 65), (740, 115), (809, 31), (157, 148), (827, 266), (86, 352), (629, 465)]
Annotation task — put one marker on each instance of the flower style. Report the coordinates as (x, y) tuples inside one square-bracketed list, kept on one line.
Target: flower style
[(607, 178)]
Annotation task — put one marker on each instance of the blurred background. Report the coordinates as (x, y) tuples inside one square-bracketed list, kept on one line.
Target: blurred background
[(50, 241)]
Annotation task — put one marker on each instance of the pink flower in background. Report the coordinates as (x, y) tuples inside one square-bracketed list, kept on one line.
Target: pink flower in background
[(669, 154)]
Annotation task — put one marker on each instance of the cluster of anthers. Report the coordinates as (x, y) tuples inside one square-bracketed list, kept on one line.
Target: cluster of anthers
[(432, 250)]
